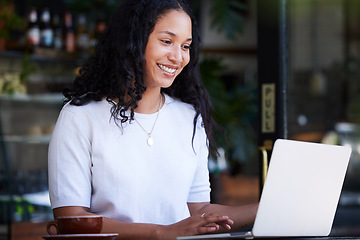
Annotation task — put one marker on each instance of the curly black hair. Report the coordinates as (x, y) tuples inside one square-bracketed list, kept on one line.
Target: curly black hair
[(119, 59)]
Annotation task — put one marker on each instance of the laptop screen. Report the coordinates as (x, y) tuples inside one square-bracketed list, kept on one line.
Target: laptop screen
[(302, 189)]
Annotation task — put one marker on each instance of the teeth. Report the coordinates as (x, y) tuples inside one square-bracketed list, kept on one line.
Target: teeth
[(166, 69)]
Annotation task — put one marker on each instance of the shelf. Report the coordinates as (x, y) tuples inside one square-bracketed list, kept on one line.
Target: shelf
[(46, 55), (28, 139), (48, 98)]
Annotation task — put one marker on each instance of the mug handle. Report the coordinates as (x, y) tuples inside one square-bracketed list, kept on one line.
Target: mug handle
[(48, 226)]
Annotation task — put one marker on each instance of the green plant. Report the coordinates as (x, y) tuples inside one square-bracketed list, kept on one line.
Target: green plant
[(235, 106), (227, 16), (9, 19), (26, 68), (235, 110), (15, 82)]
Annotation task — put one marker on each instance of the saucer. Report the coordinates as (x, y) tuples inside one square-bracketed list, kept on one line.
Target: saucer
[(105, 236)]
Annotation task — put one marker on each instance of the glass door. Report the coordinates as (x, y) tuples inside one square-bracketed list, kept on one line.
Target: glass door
[(309, 83)]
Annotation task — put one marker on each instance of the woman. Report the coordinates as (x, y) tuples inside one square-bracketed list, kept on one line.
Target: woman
[(132, 142)]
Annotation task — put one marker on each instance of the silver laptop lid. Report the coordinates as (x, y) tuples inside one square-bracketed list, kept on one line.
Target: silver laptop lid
[(302, 189)]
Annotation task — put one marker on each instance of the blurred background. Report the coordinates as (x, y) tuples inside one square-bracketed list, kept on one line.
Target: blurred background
[(273, 68)]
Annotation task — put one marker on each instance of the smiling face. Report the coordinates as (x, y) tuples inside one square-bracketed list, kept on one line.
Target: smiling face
[(168, 49)]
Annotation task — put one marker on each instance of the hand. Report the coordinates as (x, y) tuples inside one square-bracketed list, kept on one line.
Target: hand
[(194, 225)]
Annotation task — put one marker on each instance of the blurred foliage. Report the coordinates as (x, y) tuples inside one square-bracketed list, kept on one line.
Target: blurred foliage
[(27, 68), (352, 74), (10, 83), (9, 19), (15, 82), (235, 104), (235, 109), (227, 17)]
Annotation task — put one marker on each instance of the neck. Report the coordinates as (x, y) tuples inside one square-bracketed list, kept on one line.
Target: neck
[(151, 102)]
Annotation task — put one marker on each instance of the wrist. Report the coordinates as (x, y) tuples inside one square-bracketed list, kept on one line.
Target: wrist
[(158, 233)]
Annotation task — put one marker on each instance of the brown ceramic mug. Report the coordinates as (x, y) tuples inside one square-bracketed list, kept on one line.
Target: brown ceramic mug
[(76, 225)]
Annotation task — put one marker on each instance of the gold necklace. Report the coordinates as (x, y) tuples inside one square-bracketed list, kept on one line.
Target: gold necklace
[(150, 141)]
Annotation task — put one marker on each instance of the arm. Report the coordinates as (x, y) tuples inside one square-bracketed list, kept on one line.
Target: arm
[(190, 226), (239, 216)]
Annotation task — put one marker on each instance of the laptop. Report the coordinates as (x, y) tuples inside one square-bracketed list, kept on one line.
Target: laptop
[(300, 193)]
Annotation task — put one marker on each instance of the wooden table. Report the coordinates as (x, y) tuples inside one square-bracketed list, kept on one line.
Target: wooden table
[(28, 230)]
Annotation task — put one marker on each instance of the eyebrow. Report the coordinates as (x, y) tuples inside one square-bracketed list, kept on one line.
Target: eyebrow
[(174, 35)]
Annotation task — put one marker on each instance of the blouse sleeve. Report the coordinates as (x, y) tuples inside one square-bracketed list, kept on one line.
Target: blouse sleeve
[(69, 160), (200, 189)]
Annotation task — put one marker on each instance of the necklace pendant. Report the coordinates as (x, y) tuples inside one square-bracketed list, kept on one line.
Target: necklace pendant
[(150, 141)]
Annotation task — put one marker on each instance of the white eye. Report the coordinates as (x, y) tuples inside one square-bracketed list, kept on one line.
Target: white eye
[(166, 41), (186, 47)]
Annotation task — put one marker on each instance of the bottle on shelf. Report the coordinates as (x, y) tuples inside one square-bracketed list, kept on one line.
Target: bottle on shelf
[(58, 33), (99, 30), (46, 30), (69, 33), (82, 34), (33, 31)]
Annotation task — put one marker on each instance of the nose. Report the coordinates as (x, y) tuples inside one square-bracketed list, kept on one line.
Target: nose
[(176, 55)]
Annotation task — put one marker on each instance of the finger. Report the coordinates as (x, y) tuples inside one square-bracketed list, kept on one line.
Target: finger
[(226, 226), (222, 224), (217, 219), (228, 222), (212, 216), (208, 229)]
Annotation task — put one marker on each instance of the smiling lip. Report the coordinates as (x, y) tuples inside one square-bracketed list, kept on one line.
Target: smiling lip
[(166, 69)]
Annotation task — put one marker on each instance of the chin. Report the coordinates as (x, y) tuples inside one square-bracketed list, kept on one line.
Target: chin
[(166, 84)]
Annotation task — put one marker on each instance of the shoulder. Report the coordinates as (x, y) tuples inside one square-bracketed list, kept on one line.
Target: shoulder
[(182, 111), (91, 108), (177, 104), (85, 115), (83, 119)]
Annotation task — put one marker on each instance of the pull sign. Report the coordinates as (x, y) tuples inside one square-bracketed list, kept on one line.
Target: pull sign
[(268, 108)]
